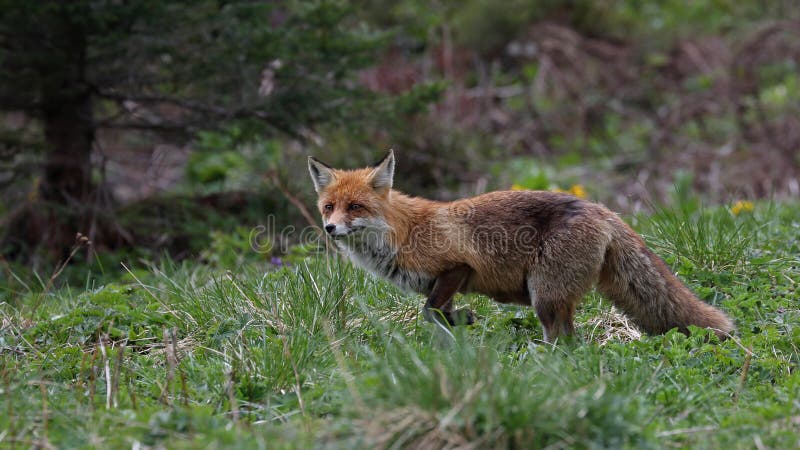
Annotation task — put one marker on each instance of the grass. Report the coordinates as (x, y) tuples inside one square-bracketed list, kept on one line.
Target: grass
[(319, 354)]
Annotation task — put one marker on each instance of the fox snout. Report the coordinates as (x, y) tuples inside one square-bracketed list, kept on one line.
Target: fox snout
[(337, 223), (335, 230)]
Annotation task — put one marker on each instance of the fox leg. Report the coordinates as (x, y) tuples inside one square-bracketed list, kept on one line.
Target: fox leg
[(440, 301), (557, 317), (565, 271), (555, 302)]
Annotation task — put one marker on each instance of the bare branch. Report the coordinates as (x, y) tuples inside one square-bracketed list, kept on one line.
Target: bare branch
[(217, 112)]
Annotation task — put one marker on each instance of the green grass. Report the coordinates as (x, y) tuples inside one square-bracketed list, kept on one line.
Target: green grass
[(321, 355)]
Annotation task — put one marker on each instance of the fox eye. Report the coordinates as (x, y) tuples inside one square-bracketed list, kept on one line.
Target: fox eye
[(329, 207), (354, 206)]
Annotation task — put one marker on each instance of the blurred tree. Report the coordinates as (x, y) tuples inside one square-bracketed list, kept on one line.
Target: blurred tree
[(170, 67)]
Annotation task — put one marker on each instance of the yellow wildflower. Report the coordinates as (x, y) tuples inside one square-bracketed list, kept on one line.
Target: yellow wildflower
[(518, 187), (578, 191), (742, 206)]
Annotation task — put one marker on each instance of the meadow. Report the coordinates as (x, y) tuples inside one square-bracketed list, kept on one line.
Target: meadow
[(235, 351)]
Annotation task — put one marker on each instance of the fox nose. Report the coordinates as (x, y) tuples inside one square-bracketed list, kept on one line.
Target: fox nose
[(329, 228)]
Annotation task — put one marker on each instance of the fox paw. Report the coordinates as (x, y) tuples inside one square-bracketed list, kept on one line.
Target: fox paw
[(463, 316)]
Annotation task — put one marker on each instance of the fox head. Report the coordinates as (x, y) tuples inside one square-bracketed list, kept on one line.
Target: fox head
[(353, 202)]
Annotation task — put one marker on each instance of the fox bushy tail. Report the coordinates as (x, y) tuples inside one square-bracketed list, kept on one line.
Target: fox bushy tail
[(645, 289)]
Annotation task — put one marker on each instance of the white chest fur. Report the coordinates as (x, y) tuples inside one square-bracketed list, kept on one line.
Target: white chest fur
[(380, 259)]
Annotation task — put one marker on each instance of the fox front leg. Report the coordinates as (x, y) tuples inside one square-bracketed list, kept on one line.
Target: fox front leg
[(439, 306)]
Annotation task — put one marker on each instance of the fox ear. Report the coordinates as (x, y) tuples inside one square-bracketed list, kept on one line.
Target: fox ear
[(321, 174), (383, 172)]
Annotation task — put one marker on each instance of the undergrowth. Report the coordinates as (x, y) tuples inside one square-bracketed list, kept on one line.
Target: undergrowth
[(319, 354)]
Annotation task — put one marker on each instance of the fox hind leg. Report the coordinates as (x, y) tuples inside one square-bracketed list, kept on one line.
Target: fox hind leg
[(565, 271), (555, 305), (557, 316)]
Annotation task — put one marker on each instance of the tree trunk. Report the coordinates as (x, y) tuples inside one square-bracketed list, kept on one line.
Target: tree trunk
[(65, 202), (69, 135), (68, 121)]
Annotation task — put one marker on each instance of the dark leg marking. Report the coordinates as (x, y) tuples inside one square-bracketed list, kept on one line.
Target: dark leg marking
[(556, 316), (439, 306)]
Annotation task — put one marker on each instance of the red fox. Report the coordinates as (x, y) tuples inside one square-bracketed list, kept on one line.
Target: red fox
[(538, 248)]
